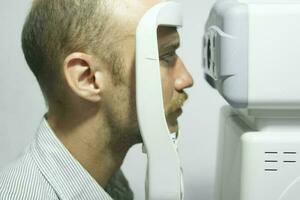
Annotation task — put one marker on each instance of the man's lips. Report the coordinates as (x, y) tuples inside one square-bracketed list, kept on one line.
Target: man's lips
[(175, 114), (177, 102), (178, 112)]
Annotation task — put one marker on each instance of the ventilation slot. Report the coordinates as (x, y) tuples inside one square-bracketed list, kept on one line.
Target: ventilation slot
[(271, 170), (274, 159), (290, 152), (271, 161), (291, 160), (271, 152)]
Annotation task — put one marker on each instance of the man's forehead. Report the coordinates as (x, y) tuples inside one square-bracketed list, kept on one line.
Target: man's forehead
[(167, 34), (167, 30)]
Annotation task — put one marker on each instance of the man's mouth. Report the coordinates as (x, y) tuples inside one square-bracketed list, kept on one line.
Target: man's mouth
[(178, 112), (176, 104)]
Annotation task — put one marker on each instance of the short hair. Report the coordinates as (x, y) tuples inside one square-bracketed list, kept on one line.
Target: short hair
[(55, 28)]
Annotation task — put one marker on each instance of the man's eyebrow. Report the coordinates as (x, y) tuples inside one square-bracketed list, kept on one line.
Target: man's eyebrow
[(171, 45)]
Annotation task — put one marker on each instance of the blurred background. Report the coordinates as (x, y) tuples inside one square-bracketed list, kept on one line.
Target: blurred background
[(22, 106)]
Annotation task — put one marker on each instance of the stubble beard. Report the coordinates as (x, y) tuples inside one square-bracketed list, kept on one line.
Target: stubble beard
[(171, 110)]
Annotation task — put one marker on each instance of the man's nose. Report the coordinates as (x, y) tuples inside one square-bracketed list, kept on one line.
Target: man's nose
[(183, 78)]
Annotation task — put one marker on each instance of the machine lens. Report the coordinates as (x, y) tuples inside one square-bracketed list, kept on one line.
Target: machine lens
[(208, 54)]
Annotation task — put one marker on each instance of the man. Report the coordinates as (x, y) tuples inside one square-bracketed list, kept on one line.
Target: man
[(82, 53)]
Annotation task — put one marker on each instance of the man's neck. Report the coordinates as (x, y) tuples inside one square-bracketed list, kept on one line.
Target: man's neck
[(91, 142)]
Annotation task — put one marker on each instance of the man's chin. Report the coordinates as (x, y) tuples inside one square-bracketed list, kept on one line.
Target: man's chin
[(173, 128)]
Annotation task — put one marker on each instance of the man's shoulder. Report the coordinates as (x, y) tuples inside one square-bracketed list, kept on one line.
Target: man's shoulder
[(23, 180)]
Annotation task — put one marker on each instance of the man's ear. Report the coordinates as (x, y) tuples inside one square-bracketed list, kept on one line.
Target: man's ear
[(82, 77)]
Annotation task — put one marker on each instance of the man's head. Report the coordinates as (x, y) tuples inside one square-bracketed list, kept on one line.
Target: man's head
[(55, 29), (83, 52)]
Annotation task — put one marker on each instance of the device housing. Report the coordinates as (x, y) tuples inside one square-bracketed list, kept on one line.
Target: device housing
[(258, 156), (251, 53)]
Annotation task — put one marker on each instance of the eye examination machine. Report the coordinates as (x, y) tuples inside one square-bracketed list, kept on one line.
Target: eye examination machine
[(251, 55)]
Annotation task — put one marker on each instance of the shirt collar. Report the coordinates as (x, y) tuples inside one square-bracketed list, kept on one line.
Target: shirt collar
[(64, 173)]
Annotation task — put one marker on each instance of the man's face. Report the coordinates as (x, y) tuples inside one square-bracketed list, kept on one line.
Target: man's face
[(174, 76), (172, 71)]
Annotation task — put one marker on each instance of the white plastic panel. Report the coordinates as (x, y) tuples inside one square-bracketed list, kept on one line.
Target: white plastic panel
[(270, 165), (274, 42), (257, 164), (228, 172)]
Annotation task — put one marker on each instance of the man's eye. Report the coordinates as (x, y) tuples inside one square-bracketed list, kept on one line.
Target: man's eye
[(168, 58)]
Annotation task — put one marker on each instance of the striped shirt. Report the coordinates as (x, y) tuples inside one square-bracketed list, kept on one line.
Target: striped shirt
[(47, 170)]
